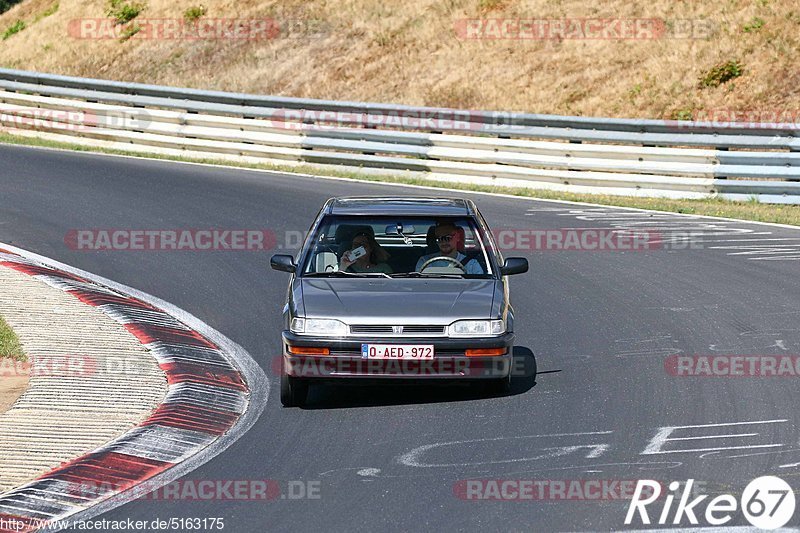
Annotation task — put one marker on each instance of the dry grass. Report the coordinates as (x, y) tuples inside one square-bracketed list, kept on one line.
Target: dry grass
[(408, 52)]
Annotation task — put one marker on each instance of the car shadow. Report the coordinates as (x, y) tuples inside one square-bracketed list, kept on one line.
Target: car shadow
[(335, 396)]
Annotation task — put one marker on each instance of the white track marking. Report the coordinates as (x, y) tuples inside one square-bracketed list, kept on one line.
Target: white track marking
[(693, 229), (412, 458), (644, 466), (715, 436), (772, 452), (732, 529), (662, 437)]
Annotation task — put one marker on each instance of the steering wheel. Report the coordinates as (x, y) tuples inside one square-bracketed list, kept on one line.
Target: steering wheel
[(456, 262)]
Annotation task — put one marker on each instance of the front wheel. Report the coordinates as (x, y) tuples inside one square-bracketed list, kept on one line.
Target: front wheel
[(294, 391), (500, 387)]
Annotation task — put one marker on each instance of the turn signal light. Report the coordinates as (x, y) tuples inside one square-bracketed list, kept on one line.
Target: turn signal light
[(308, 350), (483, 352)]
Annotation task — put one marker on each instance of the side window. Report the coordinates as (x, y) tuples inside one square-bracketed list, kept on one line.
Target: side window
[(470, 242), (323, 255)]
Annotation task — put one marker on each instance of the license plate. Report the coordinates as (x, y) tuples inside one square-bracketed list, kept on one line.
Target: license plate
[(397, 351)]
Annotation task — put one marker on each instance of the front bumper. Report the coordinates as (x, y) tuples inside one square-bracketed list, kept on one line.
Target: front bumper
[(449, 362)]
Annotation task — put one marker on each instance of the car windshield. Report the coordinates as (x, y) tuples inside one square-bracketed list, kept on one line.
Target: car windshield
[(360, 246)]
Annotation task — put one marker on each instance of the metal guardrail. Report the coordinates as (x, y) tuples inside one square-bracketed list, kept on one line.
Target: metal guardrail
[(616, 156)]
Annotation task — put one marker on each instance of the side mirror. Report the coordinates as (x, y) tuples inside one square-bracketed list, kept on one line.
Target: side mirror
[(284, 263), (514, 265)]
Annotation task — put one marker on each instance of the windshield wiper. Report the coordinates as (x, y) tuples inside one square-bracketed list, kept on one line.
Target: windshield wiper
[(422, 275), (343, 274)]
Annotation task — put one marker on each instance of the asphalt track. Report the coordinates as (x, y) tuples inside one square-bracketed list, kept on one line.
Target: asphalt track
[(600, 326)]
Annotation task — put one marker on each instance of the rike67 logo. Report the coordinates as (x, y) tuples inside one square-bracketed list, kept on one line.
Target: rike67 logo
[(767, 502)]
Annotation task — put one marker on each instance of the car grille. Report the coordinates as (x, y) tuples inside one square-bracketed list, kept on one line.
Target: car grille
[(407, 331)]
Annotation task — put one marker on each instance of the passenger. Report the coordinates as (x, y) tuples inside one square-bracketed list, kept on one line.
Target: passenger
[(372, 261), (448, 237)]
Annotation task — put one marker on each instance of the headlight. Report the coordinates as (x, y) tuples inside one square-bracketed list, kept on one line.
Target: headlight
[(476, 328), (318, 326)]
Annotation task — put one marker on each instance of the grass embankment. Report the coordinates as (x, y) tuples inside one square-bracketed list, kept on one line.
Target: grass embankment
[(781, 214), (706, 59)]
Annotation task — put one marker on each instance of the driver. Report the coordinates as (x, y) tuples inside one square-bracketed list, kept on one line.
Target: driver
[(449, 238)]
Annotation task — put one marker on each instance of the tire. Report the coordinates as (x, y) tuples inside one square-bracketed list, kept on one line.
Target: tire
[(294, 391)]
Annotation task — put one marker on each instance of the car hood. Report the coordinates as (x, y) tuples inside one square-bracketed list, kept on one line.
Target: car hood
[(416, 301)]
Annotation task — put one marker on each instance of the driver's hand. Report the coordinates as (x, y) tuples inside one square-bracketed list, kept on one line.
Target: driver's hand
[(345, 262)]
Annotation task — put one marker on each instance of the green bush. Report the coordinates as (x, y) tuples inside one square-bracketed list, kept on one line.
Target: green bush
[(682, 114), (17, 27), (46, 13), (9, 343), (123, 12), (722, 73), (50, 10), (754, 25), (129, 31), (193, 13)]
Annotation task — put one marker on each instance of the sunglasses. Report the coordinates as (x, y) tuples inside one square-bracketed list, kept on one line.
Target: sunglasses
[(445, 238)]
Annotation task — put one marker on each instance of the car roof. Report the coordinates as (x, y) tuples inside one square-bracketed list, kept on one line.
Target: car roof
[(385, 205)]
